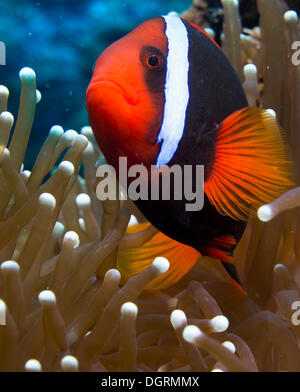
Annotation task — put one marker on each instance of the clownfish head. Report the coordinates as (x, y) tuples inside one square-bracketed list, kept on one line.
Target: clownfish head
[(125, 97), (154, 89)]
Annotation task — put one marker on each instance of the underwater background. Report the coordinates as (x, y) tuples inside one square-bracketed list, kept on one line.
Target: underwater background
[(72, 291), (62, 39)]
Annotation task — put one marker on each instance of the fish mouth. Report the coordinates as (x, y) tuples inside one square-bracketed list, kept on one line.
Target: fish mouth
[(117, 84)]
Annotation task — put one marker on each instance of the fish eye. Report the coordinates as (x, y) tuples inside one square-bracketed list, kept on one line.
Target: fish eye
[(152, 58), (153, 61)]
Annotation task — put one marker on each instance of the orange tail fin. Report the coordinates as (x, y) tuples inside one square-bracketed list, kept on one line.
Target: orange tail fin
[(220, 248), (252, 165), (181, 257)]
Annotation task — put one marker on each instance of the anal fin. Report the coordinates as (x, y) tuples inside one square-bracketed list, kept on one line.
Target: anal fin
[(181, 258)]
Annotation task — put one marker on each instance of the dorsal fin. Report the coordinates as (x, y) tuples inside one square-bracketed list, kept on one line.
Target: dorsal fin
[(204, 32)]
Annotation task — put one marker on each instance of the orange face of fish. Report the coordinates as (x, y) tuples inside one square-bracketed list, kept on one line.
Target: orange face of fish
[(126, 95)]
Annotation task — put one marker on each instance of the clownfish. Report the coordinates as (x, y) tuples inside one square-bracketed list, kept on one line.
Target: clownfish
[(165, 94)]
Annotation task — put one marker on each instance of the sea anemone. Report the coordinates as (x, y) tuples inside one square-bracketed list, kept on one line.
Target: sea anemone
[(65, 303)]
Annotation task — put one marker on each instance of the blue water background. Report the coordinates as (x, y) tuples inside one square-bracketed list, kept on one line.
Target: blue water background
[(61, 40)]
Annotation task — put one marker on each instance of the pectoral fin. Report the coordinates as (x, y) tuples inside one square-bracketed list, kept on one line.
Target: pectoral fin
[(251, 166)]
